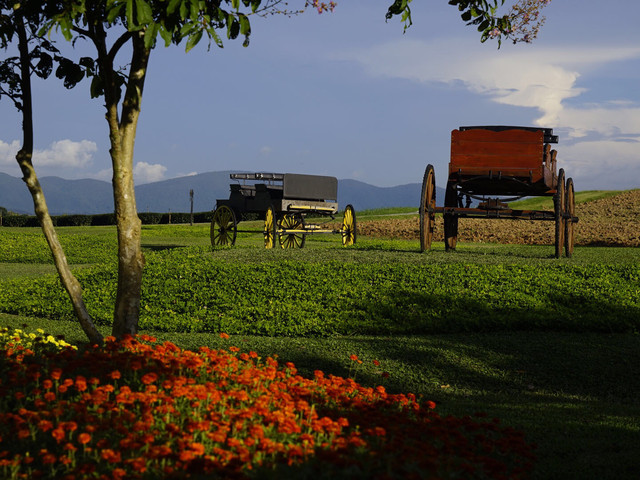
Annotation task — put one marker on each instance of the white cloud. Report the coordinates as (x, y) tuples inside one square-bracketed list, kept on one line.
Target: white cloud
[(540, 78), (8, 152), (602, 164), (66, 153), (145, 172), (62, 155)]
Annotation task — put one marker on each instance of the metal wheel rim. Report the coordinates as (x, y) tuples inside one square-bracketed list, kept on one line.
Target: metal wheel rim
[(292, 240), (223, 227), (349, 226)]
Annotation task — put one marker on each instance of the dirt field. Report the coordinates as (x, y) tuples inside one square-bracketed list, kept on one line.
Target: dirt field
[(613, 221)]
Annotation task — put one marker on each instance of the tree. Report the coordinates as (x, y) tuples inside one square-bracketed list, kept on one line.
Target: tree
[(139, 25), (20, 22)]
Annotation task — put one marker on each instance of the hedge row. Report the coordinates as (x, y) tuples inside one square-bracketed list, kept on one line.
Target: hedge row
[(147, 218)]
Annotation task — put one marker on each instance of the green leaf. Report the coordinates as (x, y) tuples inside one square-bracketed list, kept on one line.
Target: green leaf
[(245, 25), (173, 4), (96, 87), (184, 10), (193, 40), (166, 35), (150, 35), (129, 13), (145, 15)]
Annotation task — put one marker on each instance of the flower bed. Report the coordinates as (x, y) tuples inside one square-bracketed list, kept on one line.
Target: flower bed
[(140, 409)]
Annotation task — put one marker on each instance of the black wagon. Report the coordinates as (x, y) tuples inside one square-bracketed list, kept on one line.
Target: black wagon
[(291, 205)]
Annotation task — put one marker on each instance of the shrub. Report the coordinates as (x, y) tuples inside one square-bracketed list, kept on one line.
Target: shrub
[(149, 218), (73, 220), (103, 219)]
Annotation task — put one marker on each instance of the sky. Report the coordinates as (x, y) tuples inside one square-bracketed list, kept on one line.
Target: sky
[(349, 95)]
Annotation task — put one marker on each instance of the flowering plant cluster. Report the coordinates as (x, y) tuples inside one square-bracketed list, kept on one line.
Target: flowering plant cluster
[(19, 340), (140, 409)]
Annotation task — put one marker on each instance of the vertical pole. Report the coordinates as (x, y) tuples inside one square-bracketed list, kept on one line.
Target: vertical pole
[(191, 216)]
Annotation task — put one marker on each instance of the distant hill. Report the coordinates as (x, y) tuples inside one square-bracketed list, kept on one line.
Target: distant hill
[(95, 196)]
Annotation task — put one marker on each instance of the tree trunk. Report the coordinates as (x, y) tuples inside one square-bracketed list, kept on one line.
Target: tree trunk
[(24, 158), (122, 136)]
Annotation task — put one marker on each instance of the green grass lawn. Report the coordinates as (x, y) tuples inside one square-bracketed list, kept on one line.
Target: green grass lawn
[(574, 394)]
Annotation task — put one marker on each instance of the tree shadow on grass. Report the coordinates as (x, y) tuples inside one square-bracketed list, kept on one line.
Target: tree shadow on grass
[(160, 248)]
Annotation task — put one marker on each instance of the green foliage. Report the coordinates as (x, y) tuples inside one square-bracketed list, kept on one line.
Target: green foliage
[(81, 246), (266, 293)]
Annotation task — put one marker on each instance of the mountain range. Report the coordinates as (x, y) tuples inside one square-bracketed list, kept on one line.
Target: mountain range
[(88, 196)]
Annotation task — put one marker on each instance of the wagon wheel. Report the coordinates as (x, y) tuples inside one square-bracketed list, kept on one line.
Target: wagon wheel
[(570, 210), (292, 221), (269, 228), (427, 206), (559, 202), (349, 226), (450, 219), (224, 227)]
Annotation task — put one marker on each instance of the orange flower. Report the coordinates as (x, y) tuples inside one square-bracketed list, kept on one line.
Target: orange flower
[(197, 448), (224, 335), (84, 438), (56, 373), (187, 455), (136, 365), (81, 383), (111, 456), (149, 378), (114, 375), (23, 433), (45, 425), (58, 434), (47, 384)]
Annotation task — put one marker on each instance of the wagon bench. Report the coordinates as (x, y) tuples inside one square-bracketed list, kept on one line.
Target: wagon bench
[(286, 202), (505, 162)]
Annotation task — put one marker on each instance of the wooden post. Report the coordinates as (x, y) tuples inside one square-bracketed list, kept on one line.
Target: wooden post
[(191, 216)]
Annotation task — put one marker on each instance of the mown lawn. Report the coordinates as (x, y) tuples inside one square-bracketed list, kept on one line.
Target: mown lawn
[(574, 393)]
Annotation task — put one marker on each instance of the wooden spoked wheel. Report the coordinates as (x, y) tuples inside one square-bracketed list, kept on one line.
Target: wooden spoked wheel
[(427, 206), (559, 202), (349, 226), (269, 228), (570, 211), (224, 227), (450, 219), (292, 221)]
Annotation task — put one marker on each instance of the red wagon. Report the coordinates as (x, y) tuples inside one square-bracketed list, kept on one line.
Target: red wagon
[(494, 165)]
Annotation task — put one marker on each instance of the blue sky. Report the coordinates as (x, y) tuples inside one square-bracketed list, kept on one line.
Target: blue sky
[(348, 95)]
